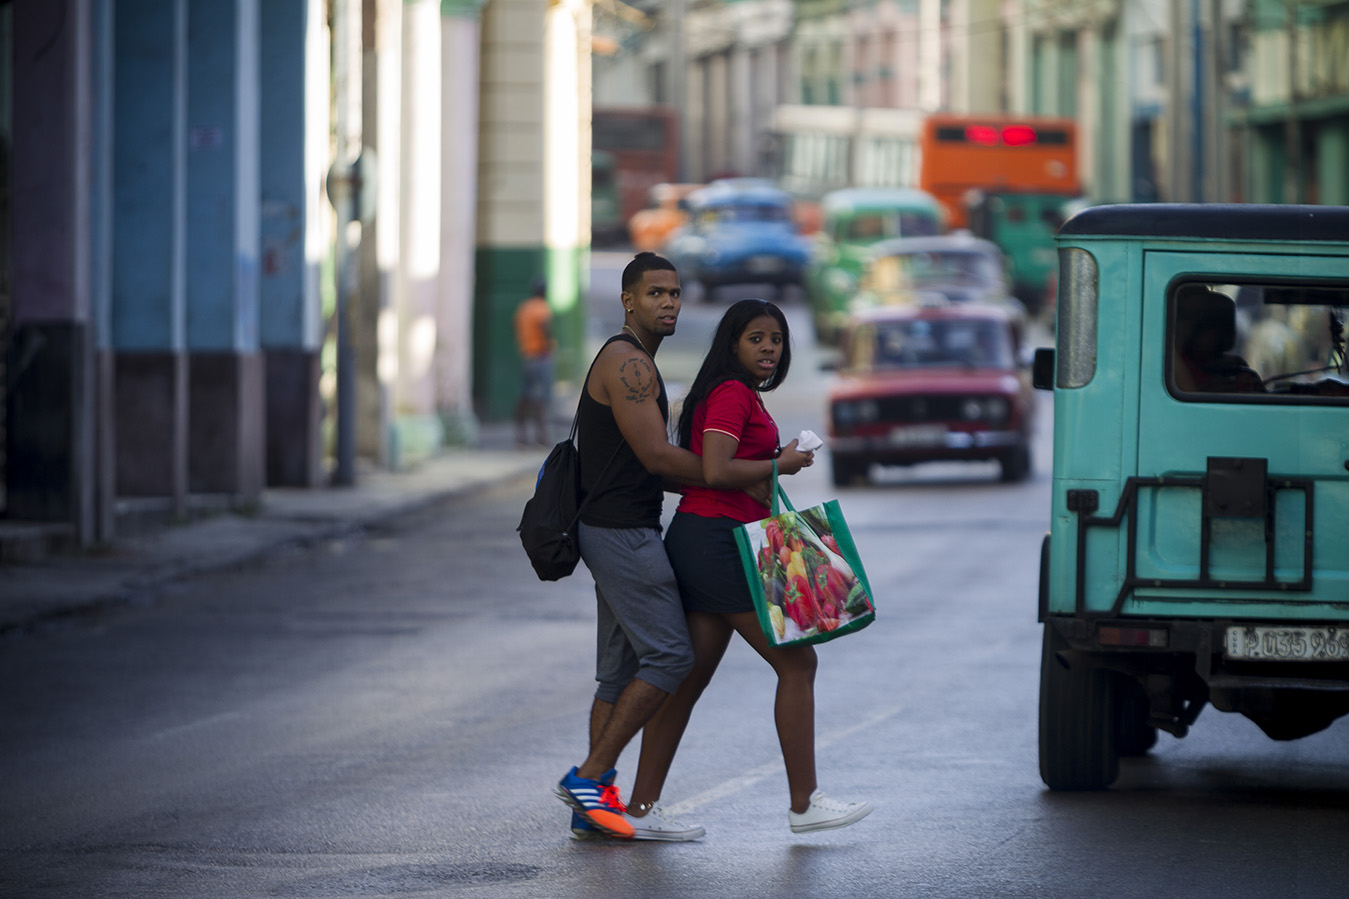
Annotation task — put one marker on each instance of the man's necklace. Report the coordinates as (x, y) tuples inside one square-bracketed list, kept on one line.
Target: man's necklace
[(639, 340)]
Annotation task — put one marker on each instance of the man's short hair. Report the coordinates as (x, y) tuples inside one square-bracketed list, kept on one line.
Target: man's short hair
[(641, 264)]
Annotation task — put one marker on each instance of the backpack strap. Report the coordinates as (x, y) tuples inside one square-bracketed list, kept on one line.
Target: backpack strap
[(575, 423)]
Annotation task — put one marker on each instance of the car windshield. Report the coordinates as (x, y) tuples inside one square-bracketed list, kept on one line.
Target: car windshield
[(869, 227), (918, 269), (1270, 342), (743, 213), (915, 343)]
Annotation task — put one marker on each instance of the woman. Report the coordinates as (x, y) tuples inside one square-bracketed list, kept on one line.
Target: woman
[(725, 422)]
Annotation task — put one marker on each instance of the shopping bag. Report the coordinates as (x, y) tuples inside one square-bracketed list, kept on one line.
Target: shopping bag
[(804, 573)]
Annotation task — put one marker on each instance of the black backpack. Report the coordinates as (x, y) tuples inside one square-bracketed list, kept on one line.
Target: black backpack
[(548, 526)]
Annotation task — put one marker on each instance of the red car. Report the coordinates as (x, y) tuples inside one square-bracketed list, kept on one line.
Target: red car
[(922, 384)]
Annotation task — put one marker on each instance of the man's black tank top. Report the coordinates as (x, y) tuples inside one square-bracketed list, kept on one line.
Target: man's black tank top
[(629, 496)]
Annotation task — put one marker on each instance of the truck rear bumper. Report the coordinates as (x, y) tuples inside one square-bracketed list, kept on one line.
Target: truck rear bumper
[(1301, 655)]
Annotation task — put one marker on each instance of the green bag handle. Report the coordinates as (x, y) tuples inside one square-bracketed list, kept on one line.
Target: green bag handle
[(778, 491)]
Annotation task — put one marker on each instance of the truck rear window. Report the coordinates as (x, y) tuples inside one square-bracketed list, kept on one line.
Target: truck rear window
[(1257, 342)]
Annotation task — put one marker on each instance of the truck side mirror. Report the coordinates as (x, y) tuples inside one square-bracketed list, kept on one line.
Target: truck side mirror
[(1042, 368)]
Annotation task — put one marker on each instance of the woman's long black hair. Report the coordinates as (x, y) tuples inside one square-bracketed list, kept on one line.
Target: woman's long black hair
[(722, 364)]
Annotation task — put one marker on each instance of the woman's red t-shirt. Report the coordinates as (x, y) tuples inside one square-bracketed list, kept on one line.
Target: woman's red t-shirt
[(731, 408)]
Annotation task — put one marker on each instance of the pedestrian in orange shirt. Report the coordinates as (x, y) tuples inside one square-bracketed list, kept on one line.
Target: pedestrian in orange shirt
[(534, 338)]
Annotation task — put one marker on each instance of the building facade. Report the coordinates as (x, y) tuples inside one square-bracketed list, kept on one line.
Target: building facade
[(1208, 100), (256, 242)]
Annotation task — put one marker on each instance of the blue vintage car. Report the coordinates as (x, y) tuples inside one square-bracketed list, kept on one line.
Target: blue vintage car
[(739, 231)]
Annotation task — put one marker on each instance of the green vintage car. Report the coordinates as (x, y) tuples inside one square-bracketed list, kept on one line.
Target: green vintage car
[(851, 221), (1200, 501)]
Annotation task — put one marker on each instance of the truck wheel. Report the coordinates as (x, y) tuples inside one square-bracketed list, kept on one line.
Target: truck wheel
[(1078, 718), (1134, 735)]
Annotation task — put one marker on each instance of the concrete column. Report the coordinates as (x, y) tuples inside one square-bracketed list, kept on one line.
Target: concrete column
[(766, 79), (905, 49), (511, 250), (149, 226), (50, 471), (460, 34), (984, 72), (226, 446), (375, 307), (566, 177), (1018, 60), (416, 430), (740, 111), (961, 56), (695, 122), (294, 239), (929, 55), (718, 114), (1180, 86), (1090, 107)]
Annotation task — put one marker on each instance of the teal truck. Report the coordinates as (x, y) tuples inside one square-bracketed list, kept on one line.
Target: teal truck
[(1196, 552)]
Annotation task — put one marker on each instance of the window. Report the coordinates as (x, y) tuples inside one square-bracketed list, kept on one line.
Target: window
[(921, 343), (1257, 342)]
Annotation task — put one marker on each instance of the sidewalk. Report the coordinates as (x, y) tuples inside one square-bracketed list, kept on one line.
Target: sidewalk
[(62, 586), (58, 587)]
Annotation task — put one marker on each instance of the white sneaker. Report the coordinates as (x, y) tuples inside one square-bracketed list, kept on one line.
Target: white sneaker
[(825, 813), (658, 824)]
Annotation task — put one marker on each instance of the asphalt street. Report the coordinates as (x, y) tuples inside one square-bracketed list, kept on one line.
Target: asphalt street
[(383, 712)]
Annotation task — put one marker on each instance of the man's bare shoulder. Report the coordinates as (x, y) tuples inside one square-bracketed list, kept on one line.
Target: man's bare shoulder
[(627, 374)]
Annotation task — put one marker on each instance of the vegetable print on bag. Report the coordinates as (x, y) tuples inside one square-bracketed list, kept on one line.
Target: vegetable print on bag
[(805, 574)]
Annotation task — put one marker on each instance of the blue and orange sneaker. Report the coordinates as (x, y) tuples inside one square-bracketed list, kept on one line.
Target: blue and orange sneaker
[(597, 801), (581, 829)]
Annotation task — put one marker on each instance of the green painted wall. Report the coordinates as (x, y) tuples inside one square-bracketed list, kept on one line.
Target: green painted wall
[(1332, 156), (503, 278)]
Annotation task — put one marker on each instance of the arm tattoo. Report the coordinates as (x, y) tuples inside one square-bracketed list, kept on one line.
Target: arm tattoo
[(639, 377)]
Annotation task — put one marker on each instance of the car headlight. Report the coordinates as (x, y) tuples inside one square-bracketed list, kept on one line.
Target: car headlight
[(856, 412), (992, 409)]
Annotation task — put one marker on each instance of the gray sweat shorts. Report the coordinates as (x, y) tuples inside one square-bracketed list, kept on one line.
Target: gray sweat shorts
[(642, 632)]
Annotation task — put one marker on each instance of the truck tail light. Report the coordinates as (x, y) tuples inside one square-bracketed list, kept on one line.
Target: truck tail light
[(1151, 637)]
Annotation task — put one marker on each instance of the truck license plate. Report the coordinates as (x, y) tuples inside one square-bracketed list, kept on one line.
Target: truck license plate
[(1310, 644)]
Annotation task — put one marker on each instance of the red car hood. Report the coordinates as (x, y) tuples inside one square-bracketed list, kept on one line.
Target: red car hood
[(900, 382)]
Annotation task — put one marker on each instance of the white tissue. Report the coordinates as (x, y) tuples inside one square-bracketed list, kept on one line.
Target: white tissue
[(808, 441)]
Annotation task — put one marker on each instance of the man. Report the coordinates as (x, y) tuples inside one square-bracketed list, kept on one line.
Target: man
[(644, 651), (534, 339), (1206, 332)]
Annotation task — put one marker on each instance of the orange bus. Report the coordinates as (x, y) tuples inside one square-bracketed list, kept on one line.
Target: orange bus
[(960, 154)]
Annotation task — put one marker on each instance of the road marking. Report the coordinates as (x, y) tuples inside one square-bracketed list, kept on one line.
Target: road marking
[(754, 775), (194, 725)]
